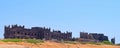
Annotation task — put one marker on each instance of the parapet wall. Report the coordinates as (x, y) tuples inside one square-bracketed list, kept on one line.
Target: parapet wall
[(93, 36), (15, 31)]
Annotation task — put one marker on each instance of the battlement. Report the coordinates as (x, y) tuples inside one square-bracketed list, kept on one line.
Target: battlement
[(93, 36), (14, 26), (15, 31), (18, 31)]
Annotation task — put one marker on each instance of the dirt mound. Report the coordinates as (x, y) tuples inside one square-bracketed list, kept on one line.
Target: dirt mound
[(11, 46), (49, 44)]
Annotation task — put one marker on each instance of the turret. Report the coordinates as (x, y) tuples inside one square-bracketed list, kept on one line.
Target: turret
[(16, 26), (113, 40)]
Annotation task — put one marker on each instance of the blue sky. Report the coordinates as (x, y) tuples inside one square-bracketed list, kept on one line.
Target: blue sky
[(99, 16)]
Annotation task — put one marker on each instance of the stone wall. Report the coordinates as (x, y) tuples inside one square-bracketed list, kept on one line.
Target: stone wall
[(20, 32), (93, 36), (113, 40)]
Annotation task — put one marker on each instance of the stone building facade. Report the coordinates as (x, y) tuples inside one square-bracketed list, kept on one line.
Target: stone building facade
[(20, 32), (113, 40), (92, 37)]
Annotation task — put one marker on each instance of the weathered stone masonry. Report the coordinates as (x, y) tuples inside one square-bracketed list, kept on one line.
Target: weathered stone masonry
[(92, 37), (21, 32)]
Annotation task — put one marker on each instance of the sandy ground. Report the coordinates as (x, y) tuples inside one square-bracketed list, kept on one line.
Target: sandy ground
[(48, 44)]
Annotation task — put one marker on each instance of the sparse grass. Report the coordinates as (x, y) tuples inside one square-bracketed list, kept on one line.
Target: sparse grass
[(11, 40), (23, 40), (71, 42), (99, 43), (118, 44), (78, 42), (34, 41), (107, 42), (41, 41), (89, 43)]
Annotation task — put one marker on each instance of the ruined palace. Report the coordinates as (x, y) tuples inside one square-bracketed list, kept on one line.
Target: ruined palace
[(20, 32), (15, 31), (92, 37)]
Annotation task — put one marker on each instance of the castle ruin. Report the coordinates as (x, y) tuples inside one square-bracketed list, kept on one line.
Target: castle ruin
[(92, 37), (21, 32)]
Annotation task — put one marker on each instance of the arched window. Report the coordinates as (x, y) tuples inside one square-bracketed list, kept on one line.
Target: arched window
[(25, 33), (35, 34), (22, 33), (18, 32), (13, 32), (28, 33)]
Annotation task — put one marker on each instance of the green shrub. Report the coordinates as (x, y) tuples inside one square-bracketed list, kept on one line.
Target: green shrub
[(118, 44), (12, 40), (23, 40), (71, 42), (33, 41), (90, 43), (107, 42)]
